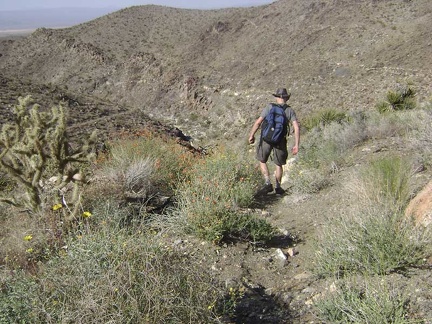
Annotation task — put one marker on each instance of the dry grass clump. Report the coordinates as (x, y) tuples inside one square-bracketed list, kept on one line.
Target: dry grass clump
[(324, 147), (370, 241), (371, 300), (169, 159), (109, 274), (105, 267), (212, 198), (386, 181), (140, 168), (375, 237)]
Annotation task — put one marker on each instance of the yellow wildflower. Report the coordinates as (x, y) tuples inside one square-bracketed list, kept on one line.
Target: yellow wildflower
[(28, 238), (86, 214), (57, 207), (29, 250)]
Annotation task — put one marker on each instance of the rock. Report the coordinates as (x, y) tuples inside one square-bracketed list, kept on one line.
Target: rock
[(265, 213), (287, 169), (77, 177), (420, 207), (284, 231), (291, 252), (280, 256)]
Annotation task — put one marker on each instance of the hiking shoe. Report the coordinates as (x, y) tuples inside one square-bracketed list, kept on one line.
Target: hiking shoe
[(267, 188), (279, 191)]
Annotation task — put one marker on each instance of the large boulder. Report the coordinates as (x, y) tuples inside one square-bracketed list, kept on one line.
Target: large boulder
[(420, 208)]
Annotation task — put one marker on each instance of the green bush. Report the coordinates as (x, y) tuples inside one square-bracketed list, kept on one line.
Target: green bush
[(401, 99), (108, 274), (387, 181), (369, 243), (169, 160), (16, 296), (324, 118), (375, 238), (212, 198), (359, 302)]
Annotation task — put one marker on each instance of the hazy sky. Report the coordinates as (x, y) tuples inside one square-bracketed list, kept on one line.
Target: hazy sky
[(192, 4)]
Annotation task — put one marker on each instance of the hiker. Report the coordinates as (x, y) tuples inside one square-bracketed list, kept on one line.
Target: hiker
[(280, 150)]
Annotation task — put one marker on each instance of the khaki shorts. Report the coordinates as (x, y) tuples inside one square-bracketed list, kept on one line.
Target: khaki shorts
[(280, 152)]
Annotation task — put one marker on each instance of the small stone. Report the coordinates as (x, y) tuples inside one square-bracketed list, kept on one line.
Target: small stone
[(280, 256), (284, 231), (291, 252)]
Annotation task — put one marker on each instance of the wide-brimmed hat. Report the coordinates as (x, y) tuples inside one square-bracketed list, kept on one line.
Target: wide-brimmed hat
[(282, 93)]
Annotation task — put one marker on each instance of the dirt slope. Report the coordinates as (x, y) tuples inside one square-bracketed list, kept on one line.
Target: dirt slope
[(202, 70), (210, 73)]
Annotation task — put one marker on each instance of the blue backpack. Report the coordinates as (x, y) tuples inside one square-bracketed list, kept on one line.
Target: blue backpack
[(275, 125)]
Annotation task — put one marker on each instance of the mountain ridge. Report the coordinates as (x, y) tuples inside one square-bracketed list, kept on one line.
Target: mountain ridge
[(205, 69)]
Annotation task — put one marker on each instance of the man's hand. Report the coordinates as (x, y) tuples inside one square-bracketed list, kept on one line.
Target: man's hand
[(294, 150), (251, 139)]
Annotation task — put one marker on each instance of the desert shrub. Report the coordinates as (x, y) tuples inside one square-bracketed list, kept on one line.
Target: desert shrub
[(322, 153), (370, 301), (403, 98), (386, 125), (324, 150), (419, 134), (375, 237), (307, 181), (131, 156), (386, 181), (110, 274), (16, 295), (212, 198), (323, 118), (129, 176), (324, 147), (369, 242), (141, 173)]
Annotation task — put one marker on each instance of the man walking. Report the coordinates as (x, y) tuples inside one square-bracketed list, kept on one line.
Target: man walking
[(280, 151)]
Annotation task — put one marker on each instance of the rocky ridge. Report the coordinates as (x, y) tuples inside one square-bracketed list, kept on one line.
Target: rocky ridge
[(205, 71)]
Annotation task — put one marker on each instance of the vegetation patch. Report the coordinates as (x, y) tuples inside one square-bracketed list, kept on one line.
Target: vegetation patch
[(368, 301), (212, 199), (402, 98), (111, 274), (323, 118), (376, 238)]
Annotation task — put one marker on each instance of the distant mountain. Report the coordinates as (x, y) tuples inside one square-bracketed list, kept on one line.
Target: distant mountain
[(49, 18), (210, 72)]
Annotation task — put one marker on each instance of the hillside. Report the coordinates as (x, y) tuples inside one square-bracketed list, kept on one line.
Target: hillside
[(209, 73), (204, 70)]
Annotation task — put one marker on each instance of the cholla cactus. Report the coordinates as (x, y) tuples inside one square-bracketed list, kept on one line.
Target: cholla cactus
[(34, 142)]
